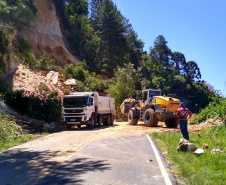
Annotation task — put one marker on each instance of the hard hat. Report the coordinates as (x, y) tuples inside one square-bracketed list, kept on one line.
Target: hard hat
[(182, 104)]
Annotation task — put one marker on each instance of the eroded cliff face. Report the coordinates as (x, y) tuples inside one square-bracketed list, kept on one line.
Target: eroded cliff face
[(45, 35)]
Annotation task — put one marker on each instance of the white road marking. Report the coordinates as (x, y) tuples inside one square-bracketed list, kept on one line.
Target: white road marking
[(161, 166)]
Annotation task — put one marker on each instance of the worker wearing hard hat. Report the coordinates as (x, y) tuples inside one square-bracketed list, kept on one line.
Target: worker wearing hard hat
[(184, 115)]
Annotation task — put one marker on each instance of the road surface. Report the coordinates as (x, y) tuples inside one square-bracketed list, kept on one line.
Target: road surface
[(117, 155)]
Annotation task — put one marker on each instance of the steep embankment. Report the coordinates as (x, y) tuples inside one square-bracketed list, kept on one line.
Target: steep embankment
[(45, 35)]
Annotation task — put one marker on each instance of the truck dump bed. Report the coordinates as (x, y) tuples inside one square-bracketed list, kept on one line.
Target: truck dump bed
[(105, 105)]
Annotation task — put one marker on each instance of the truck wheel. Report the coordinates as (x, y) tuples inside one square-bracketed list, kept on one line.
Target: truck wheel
[(131, 119), (172, 122), (95, 119), (91, 121), (150, 120), (68, 126), (105, 120), (112, 119), (108, 120), (100, 120)]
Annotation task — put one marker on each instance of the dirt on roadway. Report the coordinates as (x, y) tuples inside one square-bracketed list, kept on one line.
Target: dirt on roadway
[(31, 162), (64, 144)]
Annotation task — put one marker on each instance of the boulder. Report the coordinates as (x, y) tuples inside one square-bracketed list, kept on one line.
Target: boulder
[(46, 127), (216, 150), (49, 127), (182, 140), (52, 77), (205, 146), (184, 147), (199, 151)]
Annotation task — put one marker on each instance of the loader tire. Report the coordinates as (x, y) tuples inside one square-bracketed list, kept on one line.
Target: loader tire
[(150, 119), (172, 122), (131, 119)]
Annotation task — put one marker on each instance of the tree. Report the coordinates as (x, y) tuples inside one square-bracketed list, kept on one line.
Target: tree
[(192, 70), (134, 45), (94, 5), (179, 62), (79, 29), (128, 84), (15, 14), (161, 53), (113, 43)]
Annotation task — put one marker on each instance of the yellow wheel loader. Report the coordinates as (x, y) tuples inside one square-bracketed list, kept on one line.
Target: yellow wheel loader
[(152, 108)]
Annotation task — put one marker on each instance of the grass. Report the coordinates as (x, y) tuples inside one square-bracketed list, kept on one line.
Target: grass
[(12, 134), (206, 168), (5, 144)]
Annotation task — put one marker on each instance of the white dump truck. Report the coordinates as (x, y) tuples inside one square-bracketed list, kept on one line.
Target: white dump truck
[(87, 108)]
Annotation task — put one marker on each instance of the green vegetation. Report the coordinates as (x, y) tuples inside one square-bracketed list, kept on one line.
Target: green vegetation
[(46, 64), (47, 107), (14, 15), (217, 108), (192, 169), (209, 168), (11, 134), (101, 35), (127, 83)]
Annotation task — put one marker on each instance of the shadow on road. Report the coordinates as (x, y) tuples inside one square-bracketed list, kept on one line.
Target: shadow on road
[(85, 128), (32, 167)]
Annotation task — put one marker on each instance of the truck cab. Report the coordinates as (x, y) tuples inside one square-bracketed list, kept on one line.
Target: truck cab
[(87, 108), (77, 109)]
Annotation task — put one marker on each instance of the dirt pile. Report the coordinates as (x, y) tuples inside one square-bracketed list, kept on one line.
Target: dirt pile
[(33, 82)]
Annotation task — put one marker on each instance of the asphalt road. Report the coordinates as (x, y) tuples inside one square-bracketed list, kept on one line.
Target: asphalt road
[(118, 155)]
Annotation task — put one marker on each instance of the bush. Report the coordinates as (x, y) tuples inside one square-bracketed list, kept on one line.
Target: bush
[(47, 64), (25, 51), (2, 65), (12, 134), (47, 108), (4, 43), (79, 72), (9, 130), (96, 84), (33, 7), (128, 84), (217, 108)]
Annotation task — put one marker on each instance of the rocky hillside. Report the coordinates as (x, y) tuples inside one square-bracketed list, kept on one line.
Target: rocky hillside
[(45, 35)]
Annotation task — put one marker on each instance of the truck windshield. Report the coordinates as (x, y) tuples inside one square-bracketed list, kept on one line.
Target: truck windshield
[(75, 101)]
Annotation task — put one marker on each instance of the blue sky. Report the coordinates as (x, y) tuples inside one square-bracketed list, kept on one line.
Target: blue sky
[(196, 28)]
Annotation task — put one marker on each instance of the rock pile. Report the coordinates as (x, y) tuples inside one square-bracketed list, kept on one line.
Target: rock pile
[(184, 146)]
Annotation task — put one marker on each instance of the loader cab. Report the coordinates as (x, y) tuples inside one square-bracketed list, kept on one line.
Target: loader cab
[(148, 94)]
